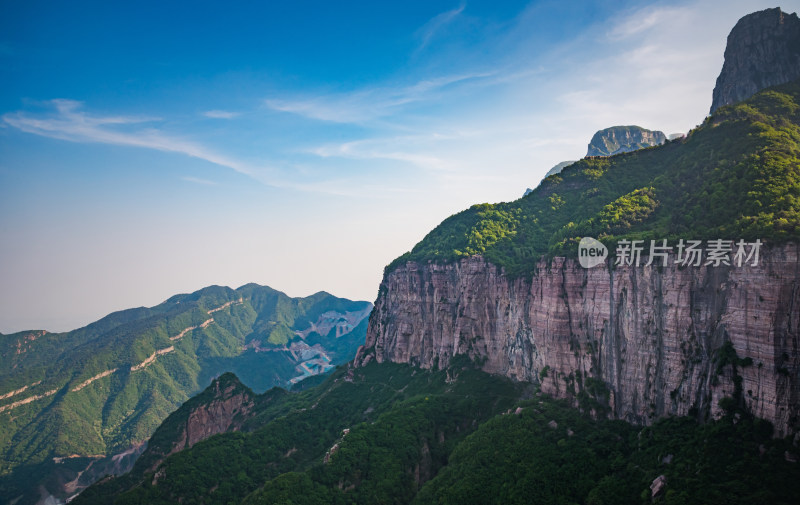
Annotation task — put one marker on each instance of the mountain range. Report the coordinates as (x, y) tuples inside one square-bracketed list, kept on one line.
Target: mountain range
[(496, 366), (75, 406)]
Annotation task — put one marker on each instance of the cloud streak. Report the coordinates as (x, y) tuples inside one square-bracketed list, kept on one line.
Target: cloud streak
[(71, 124), (436, 24), (220, 114), (372, 103), (68, 122), (398, 149), (195, 180)]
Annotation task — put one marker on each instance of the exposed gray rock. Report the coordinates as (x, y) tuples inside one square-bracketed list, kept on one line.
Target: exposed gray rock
[(763, 50), (658, 485), (623, 139)]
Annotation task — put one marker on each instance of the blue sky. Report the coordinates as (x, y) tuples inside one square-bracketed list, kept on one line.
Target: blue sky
[(155, 148)]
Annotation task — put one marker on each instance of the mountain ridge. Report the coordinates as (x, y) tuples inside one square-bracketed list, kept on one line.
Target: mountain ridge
[(502, 284), (102, 389), (741, 162)]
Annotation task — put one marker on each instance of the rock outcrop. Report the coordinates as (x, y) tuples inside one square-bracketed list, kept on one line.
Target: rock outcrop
[(763, 50), (623, 139), (224, 413), (611, 141), (224, 406), (632, 343)]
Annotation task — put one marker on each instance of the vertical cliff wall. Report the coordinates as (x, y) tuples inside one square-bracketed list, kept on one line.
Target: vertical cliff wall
[(634, 343), (763, 50)]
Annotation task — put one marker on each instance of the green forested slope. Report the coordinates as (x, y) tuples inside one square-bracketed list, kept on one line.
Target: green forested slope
[(552, 454), (98, 390), (390, 433), (390, 411), (737, 176)]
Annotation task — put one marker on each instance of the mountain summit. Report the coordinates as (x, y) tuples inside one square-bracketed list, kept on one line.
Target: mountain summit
[(763, 50), (623, 139)]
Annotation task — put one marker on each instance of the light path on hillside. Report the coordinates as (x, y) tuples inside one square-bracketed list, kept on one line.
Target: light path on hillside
[(134, 368)]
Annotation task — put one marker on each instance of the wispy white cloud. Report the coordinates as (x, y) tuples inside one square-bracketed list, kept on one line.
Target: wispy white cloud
[(385, 149), (67, 121), (436, 24), (654, 66), (643, 21), (373, 102), (658, 68), (220, 114), (195, 180), (71, 124), (413, 149)]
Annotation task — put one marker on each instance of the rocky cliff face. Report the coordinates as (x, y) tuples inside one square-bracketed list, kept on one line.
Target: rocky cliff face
[(763, 50), (225, 413), (634, 343), (623, 139), (224, 406)]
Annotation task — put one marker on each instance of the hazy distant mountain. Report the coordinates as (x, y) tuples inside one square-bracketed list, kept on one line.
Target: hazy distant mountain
[(71, 401), (556, 169)]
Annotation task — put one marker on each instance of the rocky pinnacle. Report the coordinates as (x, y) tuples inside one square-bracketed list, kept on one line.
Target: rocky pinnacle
[(763, 50)]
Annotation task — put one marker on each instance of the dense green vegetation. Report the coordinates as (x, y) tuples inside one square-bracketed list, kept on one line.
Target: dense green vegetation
[(552, 454), (404, 435), (117, 410), (737, 176), (389, 409)]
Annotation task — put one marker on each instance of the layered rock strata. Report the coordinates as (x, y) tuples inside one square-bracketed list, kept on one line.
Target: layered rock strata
[(643, 341)]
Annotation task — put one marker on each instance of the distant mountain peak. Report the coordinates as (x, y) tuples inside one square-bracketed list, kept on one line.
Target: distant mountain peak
[(615, 140), (623, 139), (763, 50)]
